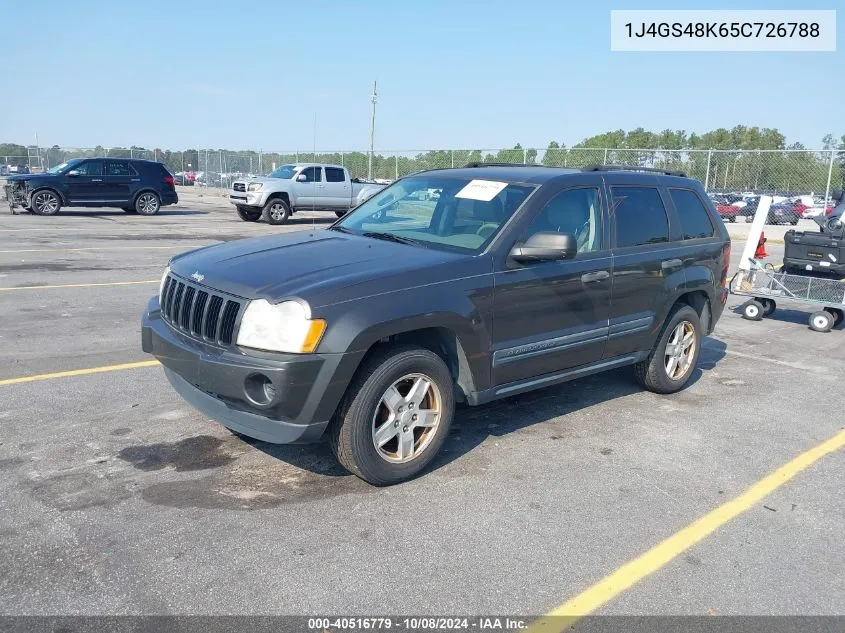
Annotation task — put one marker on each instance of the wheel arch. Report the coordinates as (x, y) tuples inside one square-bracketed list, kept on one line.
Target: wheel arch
[(700, 302), (47, 188), (280, 195), (144, 190)]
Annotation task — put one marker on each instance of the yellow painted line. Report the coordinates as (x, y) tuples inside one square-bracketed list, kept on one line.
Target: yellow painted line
[(92, 248), (107, 283), (79, 372), (632, 572)]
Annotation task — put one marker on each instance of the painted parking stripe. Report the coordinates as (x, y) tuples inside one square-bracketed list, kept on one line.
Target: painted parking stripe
[(93, 248), (79, 372), (658, 556), (106, 283)]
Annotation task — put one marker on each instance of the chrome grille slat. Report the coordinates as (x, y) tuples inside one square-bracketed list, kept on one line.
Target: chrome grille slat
[(200, 312)]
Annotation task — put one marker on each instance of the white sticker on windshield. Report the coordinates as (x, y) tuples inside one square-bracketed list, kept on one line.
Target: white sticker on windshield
[(484, 190)]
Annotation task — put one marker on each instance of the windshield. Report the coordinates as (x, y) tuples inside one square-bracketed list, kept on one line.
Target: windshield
[(457, 214), (60, 168), (285, 171)]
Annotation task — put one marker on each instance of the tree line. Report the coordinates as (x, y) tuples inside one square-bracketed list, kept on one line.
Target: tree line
[(776, 166)]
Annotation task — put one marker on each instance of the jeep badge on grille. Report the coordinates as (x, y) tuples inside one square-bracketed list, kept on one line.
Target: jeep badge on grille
[(197, 277)]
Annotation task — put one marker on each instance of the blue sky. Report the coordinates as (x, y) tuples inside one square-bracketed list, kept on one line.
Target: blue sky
[(451, 74)]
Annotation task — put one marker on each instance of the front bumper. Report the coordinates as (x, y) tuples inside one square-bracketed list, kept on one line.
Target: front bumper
[(220, 383), (248, 198)]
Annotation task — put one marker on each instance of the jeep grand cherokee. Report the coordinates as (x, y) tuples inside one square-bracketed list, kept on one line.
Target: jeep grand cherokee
[(514, 278)]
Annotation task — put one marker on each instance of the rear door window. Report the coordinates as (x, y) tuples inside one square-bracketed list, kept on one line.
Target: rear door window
[(334, 174), (695, 221), (119, 168), (640, 216)]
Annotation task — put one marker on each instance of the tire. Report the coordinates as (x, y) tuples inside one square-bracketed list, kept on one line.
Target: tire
[(340, 214), (147, 203), (248, 215), (654, 373), (821, 321), (129, 209), (46, 202), (352, 433), (769, 306), (752, 310), (732, 218), (276, 211), (838, 315)]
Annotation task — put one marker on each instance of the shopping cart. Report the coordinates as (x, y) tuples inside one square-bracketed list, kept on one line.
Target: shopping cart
[(764, 284)]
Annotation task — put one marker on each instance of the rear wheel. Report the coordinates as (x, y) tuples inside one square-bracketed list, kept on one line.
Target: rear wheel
[(671, 363), (838, 315), (821, 321), (752, 310), (276, 211), (46, 202), (147, 203), (769, 306), (248, 215), (395, 415), (340, 214)]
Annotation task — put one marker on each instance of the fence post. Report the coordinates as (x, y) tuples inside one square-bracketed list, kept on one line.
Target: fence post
[(524, 156), (707, 177), (453, 158), (342, 164), (829, 174), (604, 161), (131, 153), (396, 158)]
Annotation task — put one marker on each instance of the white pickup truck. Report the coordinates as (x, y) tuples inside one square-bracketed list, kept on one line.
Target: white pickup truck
[(299, 187)]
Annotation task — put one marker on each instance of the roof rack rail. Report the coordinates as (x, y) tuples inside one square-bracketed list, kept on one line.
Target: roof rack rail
[(483, 164), (657, 170)]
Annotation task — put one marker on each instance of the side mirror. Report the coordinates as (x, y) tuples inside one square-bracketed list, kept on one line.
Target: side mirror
[(546, 247), (72, 172), (300, 178)]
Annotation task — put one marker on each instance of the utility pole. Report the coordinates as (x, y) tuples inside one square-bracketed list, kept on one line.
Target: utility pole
[(372, 133)]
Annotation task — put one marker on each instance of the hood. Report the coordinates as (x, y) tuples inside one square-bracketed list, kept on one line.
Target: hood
[(319, 266), (19, 177), (263, 179)]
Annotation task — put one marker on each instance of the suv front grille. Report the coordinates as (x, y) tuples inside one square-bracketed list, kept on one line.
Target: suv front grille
[(239, 186), (199, 312)]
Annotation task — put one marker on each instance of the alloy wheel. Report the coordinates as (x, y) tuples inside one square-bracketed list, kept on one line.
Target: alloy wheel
[(680, 350), (407, 418)]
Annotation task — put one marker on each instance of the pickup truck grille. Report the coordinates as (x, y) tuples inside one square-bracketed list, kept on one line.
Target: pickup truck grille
[(199, 312), (239, 186)]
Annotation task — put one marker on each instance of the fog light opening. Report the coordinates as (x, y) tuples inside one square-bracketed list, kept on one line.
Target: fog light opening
[(259, 389)]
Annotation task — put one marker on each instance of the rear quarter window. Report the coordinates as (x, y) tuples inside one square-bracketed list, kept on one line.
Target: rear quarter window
[(640, 216), (695, 220)]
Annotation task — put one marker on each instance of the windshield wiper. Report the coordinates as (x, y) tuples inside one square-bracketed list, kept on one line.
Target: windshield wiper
[(392, 238), (342, 229)]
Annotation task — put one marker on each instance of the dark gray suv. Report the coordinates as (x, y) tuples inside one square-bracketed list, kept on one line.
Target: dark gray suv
[(512, 278)]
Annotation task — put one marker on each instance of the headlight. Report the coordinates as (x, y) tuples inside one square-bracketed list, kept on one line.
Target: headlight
[(163, 279), (255, 186), (283, 327)]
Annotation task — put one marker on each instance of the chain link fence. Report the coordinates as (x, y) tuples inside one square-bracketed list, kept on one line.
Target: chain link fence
[(785, 172)]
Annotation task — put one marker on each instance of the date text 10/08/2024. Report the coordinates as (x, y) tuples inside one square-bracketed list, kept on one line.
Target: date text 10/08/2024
[(418, 623)]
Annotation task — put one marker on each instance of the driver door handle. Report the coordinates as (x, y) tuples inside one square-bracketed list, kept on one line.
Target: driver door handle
[(671, 263), (96, 180), (599, 275)]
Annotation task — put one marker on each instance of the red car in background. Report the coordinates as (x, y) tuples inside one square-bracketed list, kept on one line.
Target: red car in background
[(728, 212)]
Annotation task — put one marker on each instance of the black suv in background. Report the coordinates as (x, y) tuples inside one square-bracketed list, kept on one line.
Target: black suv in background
[(136, 186), (512, 279)]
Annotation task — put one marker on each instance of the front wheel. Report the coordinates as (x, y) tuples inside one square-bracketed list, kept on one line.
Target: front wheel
[(276, 211), (671, 363), (248, 215), (753, 310), (46, 203), (340, 214), (395, 415), (147, 203)]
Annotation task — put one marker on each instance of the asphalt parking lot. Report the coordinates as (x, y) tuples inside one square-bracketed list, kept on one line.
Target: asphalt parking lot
[(118, 498)]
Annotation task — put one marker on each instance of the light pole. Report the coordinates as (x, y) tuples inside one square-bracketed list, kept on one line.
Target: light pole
[(372, 133)]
